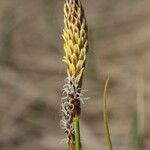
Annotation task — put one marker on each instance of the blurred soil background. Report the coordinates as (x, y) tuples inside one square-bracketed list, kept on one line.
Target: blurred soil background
[(32, 73)]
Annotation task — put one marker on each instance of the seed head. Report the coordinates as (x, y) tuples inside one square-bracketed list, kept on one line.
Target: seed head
[(75, 37)]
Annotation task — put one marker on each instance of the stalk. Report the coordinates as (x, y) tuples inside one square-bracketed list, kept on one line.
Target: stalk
[(108, 138), (77, 133)]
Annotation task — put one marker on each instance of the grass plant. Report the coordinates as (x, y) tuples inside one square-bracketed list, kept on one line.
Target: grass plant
[(75, 45), (108, 138)]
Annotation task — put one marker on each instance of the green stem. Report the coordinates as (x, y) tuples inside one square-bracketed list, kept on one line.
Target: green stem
[(108, 138), (77, 133)]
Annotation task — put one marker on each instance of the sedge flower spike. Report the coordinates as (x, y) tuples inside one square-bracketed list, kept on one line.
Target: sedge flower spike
[(75, 46), (75, 37)]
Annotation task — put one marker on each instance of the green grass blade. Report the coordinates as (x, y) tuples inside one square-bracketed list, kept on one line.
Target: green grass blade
[(108, 138), (135, 138), (77, 133)]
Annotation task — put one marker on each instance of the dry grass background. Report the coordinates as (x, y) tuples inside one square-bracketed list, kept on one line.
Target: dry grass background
[(32, 74)]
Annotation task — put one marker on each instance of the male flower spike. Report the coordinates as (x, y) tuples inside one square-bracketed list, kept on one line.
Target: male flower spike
[(75, 46), (75, 37)]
